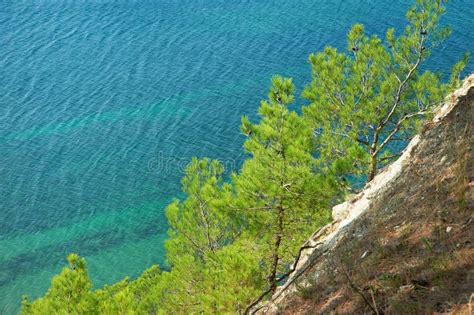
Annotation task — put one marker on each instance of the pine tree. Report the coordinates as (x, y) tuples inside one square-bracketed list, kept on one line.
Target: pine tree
[(200, 224), (277, 191), (70, 292), (367, 102), (201, 249)]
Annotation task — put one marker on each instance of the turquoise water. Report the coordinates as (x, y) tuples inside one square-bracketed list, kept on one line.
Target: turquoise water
[(102, 103)]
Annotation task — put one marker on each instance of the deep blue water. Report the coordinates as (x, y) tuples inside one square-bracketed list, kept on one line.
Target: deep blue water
[(103, 102)]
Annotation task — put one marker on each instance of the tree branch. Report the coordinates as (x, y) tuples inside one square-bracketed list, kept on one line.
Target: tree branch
[(204, 214), (405, 81), (390, 157), (396, 129), (198, 248)]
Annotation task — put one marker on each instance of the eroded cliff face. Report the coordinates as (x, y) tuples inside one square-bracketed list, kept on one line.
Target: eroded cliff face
[(404, 245)]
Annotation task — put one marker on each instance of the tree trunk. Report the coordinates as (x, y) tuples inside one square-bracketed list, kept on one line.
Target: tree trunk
[(373, 154), (276, 247), (372, 167), (276, 258)]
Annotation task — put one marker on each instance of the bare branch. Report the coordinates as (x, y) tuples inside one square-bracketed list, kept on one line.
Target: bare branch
[(204, 214), (390, 157), (402, 85), (396, 129), (197, 247)]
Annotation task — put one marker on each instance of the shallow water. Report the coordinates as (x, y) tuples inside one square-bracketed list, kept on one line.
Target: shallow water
[(102, 103)]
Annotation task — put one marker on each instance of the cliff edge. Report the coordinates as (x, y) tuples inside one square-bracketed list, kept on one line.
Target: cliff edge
[(403, 245)]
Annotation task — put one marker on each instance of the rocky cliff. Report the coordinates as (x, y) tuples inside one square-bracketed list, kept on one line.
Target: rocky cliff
[(403, 245)]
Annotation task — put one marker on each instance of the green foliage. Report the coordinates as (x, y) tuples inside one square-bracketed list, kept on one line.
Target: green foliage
[(235, 278), (277, 190), (225, 284), (70, 292), (201, 224), (127, 297), (210, 272), (364, 100)]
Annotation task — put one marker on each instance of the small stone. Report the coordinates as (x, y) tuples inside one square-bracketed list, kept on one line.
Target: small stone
[(406, 288), (449, 229)]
